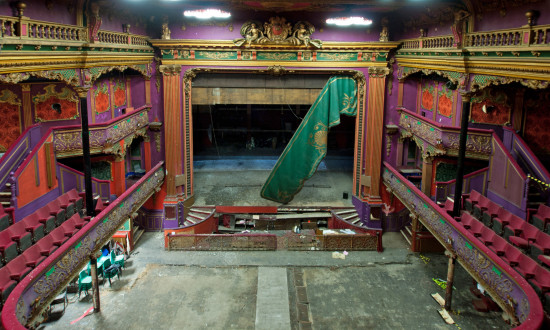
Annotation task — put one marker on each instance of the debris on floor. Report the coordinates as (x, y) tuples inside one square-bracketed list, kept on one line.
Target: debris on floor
[(445, 315), (338, 255), (439, 299)]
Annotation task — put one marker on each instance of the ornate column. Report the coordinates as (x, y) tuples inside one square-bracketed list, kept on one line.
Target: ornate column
[(173, 136), (373, 139), (147, 152), (147, 90), (27, 115), (427, 172), (466, 96), (129, 93), (119, 174), (188, 136)]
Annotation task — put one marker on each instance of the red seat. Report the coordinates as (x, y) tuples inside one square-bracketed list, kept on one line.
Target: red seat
[(498, 245), (19, 234), (6, 217), (476, 227), (100, 205), (34, 256), (481, 206), (8, 247), (518, 227), (76, 199), (471, 199), (58, 236), (448, 206), (527, 235), (540, 217), (491, 212), (76, 221), (526, 266), (466, 220), (511, 255), (65, 203), (19, 268), (539, 245), (34, 226), (7, 284), (46, 218), (487, 236), (56, 210), (540, 281), (46, 245), (502, 219)]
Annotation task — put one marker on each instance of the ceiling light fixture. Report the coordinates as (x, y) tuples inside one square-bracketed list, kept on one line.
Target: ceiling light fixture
[(348, 21), (207, 13)]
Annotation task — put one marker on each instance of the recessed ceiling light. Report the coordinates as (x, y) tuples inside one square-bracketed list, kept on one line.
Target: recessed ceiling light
[(347, 21), (207, 13)]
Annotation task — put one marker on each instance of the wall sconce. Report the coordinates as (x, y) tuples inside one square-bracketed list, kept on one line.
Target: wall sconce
[(488, 108)]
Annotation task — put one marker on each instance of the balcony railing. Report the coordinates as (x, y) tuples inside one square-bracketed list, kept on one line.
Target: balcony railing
[(35, 292), (520, 37), (444, 140), (104, 137), (473, 181), (509, 290)]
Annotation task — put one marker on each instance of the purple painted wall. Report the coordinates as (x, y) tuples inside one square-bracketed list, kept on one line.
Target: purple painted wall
[(410, 90), (137, 88), (513, 17)]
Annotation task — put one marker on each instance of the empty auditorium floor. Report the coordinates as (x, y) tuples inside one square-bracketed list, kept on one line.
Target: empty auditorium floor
[(249, 290)]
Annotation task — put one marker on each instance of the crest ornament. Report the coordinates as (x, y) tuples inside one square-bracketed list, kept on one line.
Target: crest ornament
[(277, 31)]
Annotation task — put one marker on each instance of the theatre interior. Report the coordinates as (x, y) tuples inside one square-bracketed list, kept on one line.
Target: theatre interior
[(274, 125)]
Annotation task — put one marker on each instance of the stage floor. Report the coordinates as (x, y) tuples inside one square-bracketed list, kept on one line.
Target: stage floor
[(239, 180)]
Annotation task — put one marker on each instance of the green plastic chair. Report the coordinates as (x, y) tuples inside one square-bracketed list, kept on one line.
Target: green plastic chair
[(84, 282), (119, 260)]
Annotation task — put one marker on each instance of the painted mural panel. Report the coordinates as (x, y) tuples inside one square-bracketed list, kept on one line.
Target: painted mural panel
[(101, 98), (537, 122), (491, 106), (427, 96), (10, 125), (55, 105), (445, 101), (120, 93)]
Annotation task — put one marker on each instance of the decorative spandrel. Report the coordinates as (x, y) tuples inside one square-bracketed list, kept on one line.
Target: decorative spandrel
[(277, 31)]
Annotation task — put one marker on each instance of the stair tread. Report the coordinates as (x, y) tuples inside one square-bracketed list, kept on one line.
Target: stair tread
[(405, 236), (356, 220), (196, 216), (190, 220), (202, 211), (350, 216), (344, 211)]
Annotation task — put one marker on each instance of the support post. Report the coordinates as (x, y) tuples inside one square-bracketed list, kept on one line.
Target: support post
[(461, 153), (95, 284), (427, 172), (82, 94), (450, 279)]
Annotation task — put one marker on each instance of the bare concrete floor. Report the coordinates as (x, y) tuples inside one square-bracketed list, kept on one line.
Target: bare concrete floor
[(218, 290), (238, 181)]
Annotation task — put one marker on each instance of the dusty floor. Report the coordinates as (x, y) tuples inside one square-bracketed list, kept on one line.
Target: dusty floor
[(218, 290), (239, 180)]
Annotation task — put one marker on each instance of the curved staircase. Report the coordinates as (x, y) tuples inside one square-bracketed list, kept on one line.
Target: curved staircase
[(197, 215)]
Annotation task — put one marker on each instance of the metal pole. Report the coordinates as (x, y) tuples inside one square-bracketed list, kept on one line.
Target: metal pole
[(461, 153), (83, 93), (95, 284), (450, 279)]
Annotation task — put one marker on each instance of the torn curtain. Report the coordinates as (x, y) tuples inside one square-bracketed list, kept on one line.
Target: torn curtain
[(308, 146)]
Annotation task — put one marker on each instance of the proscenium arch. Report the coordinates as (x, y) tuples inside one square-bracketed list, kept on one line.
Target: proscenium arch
[(360, 118)]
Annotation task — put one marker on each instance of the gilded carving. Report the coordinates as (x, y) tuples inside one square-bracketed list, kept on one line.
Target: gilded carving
[(278, 56), (277, 31), (169, 70), (378, 72), (216, 55)]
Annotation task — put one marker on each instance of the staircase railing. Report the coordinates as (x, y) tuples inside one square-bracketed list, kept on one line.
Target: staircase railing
[(526, 159), (508, 184), (71, 178), (476, 180), (35, 292), (17, 152), (509, 290)]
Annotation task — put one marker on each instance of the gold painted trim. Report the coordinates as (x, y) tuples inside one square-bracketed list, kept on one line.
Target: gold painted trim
[(327, 45), (289, 64)]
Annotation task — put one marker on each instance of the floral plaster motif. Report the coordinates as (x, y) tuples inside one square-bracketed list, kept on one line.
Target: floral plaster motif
[(10, 125), (55, 106), (445, 102), (427, 96), (101, 98), (120, 93)]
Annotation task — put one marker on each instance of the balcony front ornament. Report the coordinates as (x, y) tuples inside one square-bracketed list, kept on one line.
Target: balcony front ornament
[(277, 31)]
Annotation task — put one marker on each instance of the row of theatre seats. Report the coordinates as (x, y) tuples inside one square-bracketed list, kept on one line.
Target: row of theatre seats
[(521, 244), (28, 242)]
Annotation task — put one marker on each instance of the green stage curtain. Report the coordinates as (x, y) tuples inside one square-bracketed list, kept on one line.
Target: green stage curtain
[(308, 146)]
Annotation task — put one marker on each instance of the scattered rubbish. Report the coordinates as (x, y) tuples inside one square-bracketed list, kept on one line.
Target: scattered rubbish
[(425, 259), (245, 231), (445, 315), (345, 253), (441, 283), (86, 313), (338, 255), (439, 299)]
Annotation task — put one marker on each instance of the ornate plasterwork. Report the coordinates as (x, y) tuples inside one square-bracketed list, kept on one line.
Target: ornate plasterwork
[(436, 141), (378, 72), (91, 74), (479, 82), (500, 284), (456, 77), (277, 31), (70, 76)]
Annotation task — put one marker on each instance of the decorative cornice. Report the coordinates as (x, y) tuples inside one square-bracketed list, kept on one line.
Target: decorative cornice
[(169, 70), (82, 91), (378, 72)]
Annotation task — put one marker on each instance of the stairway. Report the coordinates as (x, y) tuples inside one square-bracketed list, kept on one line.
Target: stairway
[(197, 215), (350, 215), (5, 196), (407, 233)]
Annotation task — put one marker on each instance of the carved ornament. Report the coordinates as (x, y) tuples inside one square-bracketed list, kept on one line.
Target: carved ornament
[(378, 72), (169, 70), (277, 31)]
